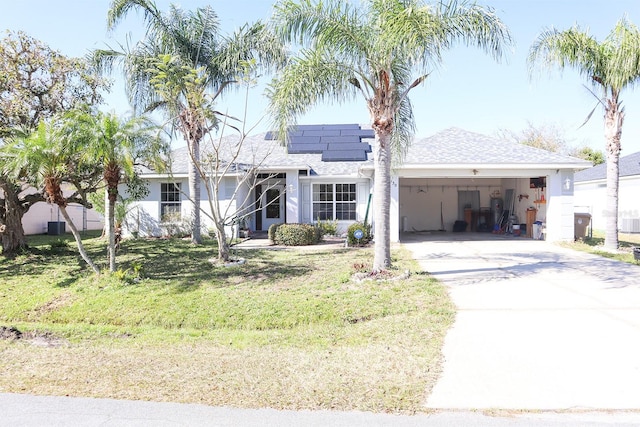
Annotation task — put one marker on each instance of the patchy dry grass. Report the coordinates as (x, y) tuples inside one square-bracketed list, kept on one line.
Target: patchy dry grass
[(288, 329)]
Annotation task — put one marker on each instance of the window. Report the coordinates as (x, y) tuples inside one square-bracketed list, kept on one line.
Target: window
[(273, 203), (334, 201), (170, 204)]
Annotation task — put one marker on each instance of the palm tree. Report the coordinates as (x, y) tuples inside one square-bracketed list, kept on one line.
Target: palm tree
[(193, 40), (119, 144), (610, 66), (375, 49), (47, 159)]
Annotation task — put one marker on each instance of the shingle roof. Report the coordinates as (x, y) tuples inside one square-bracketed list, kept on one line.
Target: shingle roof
[(451, 146), (335, 142), (457, 146), (263, 148), (629, 166)]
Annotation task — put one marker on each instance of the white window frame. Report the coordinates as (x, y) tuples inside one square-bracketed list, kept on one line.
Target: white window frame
[(169, 206), (331, 201)]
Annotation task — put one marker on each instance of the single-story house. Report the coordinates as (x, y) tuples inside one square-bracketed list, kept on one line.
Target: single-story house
[(591, 189), (326, 172)]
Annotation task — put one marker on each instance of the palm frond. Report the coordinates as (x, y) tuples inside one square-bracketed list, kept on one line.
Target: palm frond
[(308, 80)]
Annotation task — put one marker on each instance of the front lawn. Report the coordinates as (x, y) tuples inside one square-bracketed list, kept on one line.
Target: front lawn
[(595, 245), (288, 329)]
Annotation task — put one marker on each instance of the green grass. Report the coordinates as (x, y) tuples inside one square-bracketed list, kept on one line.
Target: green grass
[(288, 329), (595, 245)]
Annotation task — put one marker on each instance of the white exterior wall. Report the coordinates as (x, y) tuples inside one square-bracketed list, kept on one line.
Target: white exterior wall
[(590, 197), (420, 200), (560, 212), (36, 220), (292, 191), (629, 200), (363, 189)]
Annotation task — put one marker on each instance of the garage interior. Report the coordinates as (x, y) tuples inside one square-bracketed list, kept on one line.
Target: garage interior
[(500, 205)]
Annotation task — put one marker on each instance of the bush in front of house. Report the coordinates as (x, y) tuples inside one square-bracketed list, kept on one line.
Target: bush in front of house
[(366, 234), (327, 227), (296, 235), (271, 233)]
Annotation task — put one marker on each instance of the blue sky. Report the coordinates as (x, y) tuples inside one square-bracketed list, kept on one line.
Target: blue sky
[(470, 90)]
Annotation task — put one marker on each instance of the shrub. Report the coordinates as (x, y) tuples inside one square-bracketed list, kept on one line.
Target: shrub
[(296, 235), (366, 234), (327, 227), (272, 232)]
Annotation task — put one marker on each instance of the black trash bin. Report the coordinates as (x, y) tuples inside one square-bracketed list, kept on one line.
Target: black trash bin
[(55, 228)]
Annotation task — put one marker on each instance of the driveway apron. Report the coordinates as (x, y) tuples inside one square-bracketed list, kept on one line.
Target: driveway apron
[(538, 326)]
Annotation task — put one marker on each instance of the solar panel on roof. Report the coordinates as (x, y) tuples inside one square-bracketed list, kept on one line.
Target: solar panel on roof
[(349, 146), (336, 142), (304, 140), (341, 139), (341, 126), (322, 133), (307, 148), (344, 156), (362, 133)]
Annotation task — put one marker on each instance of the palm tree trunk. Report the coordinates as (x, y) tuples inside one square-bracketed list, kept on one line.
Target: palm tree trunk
[(111, 233), (381, 201), (76, 235), (613, 133), (194, 191)]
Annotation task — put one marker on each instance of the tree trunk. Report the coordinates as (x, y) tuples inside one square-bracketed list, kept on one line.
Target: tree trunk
[(223, 245), (613, 132), (11, 213), (76, 235), (194, 192), (111, 233), (382, 201)]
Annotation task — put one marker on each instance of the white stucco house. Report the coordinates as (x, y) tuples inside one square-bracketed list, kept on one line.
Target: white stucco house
[(42, 217), (590, 194), (326, 172)]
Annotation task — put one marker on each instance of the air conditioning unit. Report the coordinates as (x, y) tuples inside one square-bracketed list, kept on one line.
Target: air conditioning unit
[(630, 225)]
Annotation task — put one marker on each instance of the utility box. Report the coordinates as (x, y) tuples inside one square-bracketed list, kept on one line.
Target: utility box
[(55, 228), (580, 224)]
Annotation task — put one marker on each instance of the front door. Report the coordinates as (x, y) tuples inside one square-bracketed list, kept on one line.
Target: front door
[(272, 206)]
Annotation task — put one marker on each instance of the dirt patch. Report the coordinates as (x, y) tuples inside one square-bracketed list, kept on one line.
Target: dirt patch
[(60, 301), (384, 275), (10, 333), (37, 338)]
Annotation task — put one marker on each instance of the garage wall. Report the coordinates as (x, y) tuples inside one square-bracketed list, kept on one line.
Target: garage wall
[(525, 198), (420, 200)]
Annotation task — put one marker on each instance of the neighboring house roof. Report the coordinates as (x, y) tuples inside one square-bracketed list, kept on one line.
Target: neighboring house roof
[(629, 166), (342, 150), (457, 146)]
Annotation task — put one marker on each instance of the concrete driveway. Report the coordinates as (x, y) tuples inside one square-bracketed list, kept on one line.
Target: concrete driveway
[(538, 326)]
